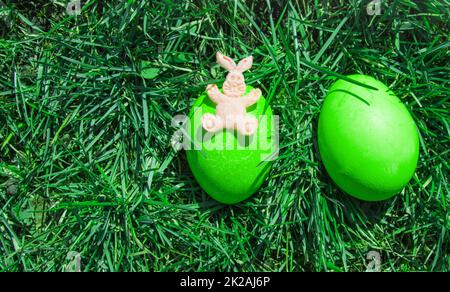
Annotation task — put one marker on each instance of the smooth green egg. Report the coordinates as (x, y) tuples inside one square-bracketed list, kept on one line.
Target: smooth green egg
[(368, 141), (228, 166)]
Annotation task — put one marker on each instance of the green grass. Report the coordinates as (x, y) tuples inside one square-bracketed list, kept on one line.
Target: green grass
[(86, 163)]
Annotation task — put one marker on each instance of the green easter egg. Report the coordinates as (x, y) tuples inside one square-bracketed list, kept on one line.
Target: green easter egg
[(367, 139), (230, 167)]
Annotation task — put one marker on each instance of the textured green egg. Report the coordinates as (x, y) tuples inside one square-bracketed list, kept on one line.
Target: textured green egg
[(228, 166), (367, 139)]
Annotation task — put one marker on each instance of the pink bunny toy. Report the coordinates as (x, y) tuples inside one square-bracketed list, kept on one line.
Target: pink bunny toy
[(231, 104)]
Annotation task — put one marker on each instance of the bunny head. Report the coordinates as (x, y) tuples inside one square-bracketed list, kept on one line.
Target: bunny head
[(234, 85)]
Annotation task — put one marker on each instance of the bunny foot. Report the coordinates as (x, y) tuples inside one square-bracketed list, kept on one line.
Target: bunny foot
[(211, 123), (248, 125)]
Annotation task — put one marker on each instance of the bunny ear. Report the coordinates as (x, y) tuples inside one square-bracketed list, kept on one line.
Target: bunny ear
[(226, 62), (245, 64)]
